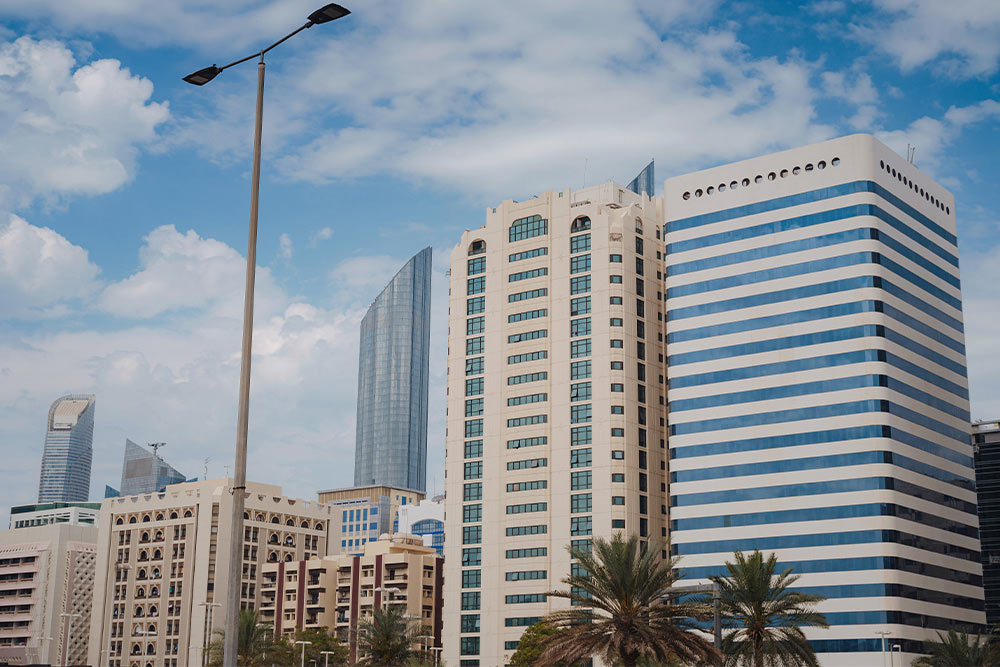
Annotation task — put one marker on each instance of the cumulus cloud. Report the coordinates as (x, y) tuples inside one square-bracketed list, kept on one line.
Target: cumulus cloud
[(933, 135), (285, 247), (66, 129), (41, 271)]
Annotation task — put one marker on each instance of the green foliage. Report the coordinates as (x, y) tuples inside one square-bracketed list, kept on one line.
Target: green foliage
[(387, 639), (625, 610), (764, 617), (531, 644), (957, 649), (287, 653), (256, 646)]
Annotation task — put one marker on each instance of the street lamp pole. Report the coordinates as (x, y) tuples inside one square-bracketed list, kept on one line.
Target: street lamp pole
[(302, 662), (324, 14), (884, 634), (327, 654), (209, 608)]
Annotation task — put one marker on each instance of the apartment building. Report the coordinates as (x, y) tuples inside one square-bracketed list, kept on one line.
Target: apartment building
[(336, 592), (46, 589), (556, 404), (817, 389), (362, 513), (162, 568)]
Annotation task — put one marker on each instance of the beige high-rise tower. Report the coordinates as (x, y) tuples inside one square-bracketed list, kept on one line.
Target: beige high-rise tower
[(556, 408)]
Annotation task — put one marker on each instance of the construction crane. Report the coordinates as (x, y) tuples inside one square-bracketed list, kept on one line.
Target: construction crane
[(155, 446)]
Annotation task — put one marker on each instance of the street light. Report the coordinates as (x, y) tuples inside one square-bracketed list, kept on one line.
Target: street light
[(324, 14), (437, 654), (66, 626), (302, 663), (209, 608), (896, 648), (327, 654), (390, 590), (884, 634), (41, 646)]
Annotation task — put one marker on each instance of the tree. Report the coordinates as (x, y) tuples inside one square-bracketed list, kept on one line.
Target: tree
[(531, 644), (287, 653), (765, 616), (387, 638), (957, 649), (256, 646), (624, 609)]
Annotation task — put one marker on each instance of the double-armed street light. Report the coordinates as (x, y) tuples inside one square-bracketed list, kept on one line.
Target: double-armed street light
[(325, 14)]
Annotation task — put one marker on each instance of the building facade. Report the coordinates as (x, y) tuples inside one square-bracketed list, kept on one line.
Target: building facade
[(393, 371), (362, 514), (163, 566), (144, 471), (817, 389), (556, 404), (42, 514), (425, 520), (986, 444), (46, 589), (66, 460), (336, 592)]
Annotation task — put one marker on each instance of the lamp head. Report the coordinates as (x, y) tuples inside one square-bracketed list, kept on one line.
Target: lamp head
[(327, 13), (203, 76)]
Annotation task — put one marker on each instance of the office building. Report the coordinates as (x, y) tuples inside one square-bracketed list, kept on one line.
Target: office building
[(361, 514), (42, 514), (391, 438), (817, 389), (336, 592), (163, 565), (425, 520), (145, 472), (556, 413), (69, 438), (986, 444), (46, 589)]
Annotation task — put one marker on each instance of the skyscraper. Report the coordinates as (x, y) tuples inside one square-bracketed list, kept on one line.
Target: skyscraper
[(556, 411), (391, 443), (817, 389), (986, 443), (145, 472), (66, 460)]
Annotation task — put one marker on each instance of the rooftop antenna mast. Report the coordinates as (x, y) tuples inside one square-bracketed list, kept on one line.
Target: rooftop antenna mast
[(206, 469), (156, 446)]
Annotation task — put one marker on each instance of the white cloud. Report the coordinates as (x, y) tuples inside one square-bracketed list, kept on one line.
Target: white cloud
[(961, 38), (40, 271), (285, 247), (932, 136), (65, 129), (366, 272), (324, 234)]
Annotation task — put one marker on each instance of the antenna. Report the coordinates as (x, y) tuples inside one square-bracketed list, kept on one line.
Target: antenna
[(155, 446), (206, 469)]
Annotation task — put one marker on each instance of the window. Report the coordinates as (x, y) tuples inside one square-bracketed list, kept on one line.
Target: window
[(618, 500), (473, 407), (617, 366), (638, 266), (527, 377), (526, 575), (527, 356), (521, 621), (616, 301), (477, 247), (470, 622), (580, 502), (580, 413), (472, 513), (580, 224), (617, 343), (533, 485), (579, 264), (579, 370), (524, 598), (472, 535), (642, 460), (579, 243), (477, 266), (527, 442), (581, 435), (617, 387), (617, 409), (615, 279), (474, 345), (640, 308), (640, 287), (473, 449), (618, 477), (527, 421), (580, 458), (579, 306), (526, 228), (585, 547), (527, 399), (581, 391), (474, 366), (580, 480), (615, 259), (524, 508), (528, 315), (469, 646), (643, 504), (638, 242), (579, 348), (618, 523), (618, 454), (640, 351), (473, 470), (579, 327), (527, 553), (470, 601), (473, 386), (476, 285), (617, 433), (475, 325), (526, 464), (527, 335), (537, 529), (528, 254), (473, 491), (475, 305), (581, 525), (473, 428), (525, 275), (579, 284), (530, 294), (616, 322)]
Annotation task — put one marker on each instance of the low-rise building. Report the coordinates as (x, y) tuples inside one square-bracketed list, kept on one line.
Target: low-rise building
[(426, 520), (46, 588), (337, 591), (163, 565), (362, 513), (42, 514)]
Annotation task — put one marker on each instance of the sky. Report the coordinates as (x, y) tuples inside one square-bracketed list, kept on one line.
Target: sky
[(124, 192)]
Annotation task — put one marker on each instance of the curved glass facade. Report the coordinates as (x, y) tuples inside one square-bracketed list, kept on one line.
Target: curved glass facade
[(391, 446), (69, 437)]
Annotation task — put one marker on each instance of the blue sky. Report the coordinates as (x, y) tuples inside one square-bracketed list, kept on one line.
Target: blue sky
[(124, 192)]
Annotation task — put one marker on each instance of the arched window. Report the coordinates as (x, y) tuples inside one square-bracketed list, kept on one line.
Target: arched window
[(638, 226), (260, 517), (119, 522), (150, 649), (159, 516), (529, 227), (140, 592), (246, 516), (304, 524), (289, 541), (318, 526), (275, 519), (156, 573), (154, 592), (131, 519), (272, 557), (159, 536), (146, 518), (273, 539), (477, 247), (138, 612), (173, 515), (136, 650), (141, 574), (288, 558), (187, 514), (580, 224), (152, 610), (143, 555), (144, 537), (151, 628), (290, 522), (157, 554)]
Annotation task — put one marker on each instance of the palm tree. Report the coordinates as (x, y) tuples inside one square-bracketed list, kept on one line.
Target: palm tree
[(386, 638), (256, 646), (956, 650), (624, 610), (765, 616)]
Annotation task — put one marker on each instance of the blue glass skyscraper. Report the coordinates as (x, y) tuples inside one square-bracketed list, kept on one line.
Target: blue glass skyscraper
[(391, 446), (69, 437)]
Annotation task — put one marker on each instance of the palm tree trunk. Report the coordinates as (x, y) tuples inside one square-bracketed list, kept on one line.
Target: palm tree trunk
[(629, 659)]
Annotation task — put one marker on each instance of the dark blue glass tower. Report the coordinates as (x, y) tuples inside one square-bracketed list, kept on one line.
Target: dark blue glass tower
[(391, 447)]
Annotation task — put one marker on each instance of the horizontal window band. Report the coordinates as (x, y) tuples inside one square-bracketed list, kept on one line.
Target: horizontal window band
[(819, 194)]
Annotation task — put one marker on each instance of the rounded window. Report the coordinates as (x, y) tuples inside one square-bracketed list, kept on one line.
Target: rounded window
[(733, 185), (119, 522), (771, 176), (796, 170), (477, 247), (821, 165), (784, 173), (697, 193), (835, 161), (710, 190), (304, 524), (686, 196), (746, 182), (173, 515), (187, 514), (580, 224)]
